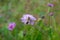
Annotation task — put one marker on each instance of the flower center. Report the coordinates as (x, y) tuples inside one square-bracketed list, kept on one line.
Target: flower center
[(11, 26)]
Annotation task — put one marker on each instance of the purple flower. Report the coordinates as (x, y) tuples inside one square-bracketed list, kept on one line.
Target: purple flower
[(11, 25), (50, 5), (28, 19), (51, 14)]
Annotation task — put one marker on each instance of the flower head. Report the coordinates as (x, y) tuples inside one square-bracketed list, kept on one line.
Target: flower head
[(43, 17), (50, 5), (11, 25), (28, 19), (51, 14)]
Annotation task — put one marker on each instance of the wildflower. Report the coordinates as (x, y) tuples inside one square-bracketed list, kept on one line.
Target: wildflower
[(11, 26), (28, 19), (50, 5), (43, 17), (51, 14)]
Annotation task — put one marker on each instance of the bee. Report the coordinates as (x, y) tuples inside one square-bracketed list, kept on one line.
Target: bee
[(28, 20)]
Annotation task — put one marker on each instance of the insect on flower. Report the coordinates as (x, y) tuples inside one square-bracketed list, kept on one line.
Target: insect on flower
[(28, 19)]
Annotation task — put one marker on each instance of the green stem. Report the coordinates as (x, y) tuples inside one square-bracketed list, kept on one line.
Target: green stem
[(50, 37), (54, 22), (48, 16)]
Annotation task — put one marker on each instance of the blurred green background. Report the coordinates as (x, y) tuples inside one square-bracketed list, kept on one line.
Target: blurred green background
[(46, 29)]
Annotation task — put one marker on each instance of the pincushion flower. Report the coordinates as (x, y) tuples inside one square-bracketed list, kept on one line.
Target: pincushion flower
[(50, 5), (28, 19), (11, 25)]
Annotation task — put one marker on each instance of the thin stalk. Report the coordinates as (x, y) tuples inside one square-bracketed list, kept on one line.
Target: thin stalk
[(54, 22)]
